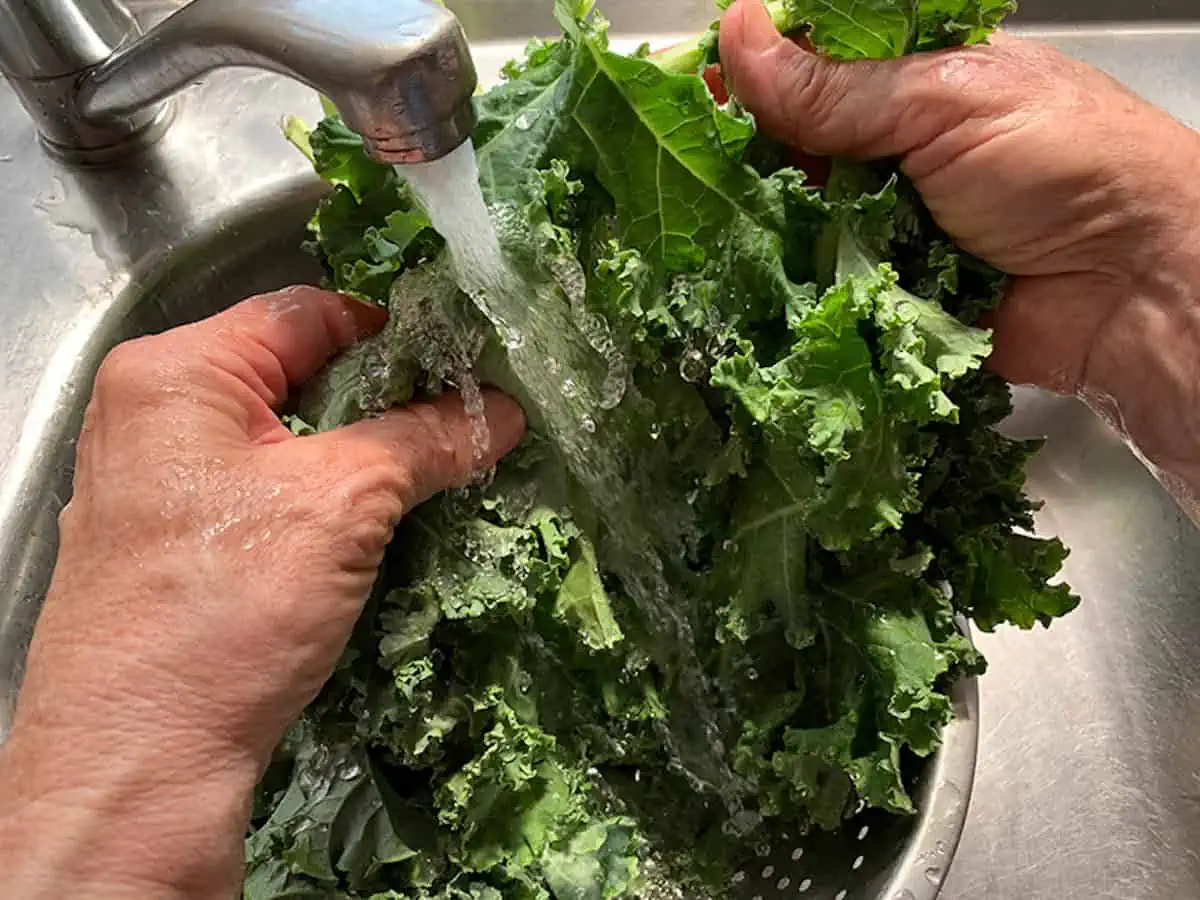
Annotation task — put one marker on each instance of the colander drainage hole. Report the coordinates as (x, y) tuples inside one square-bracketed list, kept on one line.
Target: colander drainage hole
[(768, 872), (857, 864), (804, 886), (840, 895), (863, 832), (782, 884), (797, 853)]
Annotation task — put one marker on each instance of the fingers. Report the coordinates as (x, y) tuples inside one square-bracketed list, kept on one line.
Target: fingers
[(276, 340), (430, 446), (860, 109)]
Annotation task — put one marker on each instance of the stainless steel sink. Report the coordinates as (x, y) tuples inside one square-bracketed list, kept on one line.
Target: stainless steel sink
[(1088, 783)]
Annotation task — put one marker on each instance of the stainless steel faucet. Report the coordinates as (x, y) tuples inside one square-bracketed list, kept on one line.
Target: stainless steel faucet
[(399, 71)]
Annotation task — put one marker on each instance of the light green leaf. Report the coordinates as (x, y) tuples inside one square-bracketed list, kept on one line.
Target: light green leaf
[(583, 604), (858, 29), (670, 158)]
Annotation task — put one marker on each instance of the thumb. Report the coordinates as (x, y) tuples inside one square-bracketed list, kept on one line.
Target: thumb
[(865, 110)]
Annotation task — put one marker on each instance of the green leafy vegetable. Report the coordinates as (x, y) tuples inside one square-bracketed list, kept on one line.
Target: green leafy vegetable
[(717, 594)]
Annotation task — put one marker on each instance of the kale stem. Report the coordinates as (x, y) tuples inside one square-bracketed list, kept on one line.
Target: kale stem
[(690, 56)]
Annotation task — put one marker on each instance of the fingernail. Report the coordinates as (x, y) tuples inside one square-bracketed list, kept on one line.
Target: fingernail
[(366, 318)]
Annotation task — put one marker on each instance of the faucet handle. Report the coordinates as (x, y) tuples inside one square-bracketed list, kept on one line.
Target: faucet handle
[(45, 45), (400, 72)]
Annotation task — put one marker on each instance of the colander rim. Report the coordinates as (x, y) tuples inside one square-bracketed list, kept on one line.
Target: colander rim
[(943, 800)]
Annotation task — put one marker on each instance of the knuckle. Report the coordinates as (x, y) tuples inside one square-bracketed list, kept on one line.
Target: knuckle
[(437, 441), (972, 81), (814, 88), (124, 366), (142, 370), (356, 519), (374, 487), (367, 539), (384, 479)]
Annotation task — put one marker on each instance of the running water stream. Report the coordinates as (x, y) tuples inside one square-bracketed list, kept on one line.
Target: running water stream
[(575, 378)]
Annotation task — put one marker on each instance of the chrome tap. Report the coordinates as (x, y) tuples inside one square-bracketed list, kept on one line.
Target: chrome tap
[(399, 71)]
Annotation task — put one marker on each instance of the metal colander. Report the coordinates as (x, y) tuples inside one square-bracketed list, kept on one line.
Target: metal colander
[(875, 856)]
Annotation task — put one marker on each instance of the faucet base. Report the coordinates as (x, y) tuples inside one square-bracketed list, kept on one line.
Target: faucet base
[(128, 137)]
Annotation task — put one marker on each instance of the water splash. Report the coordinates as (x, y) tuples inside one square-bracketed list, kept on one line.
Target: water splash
[(473, 403), (571, 278), (445, 347)]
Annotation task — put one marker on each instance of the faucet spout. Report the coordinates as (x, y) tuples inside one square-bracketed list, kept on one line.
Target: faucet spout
[(400, 72)]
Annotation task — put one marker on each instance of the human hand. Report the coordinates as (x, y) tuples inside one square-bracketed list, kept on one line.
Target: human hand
[(1045, 168), (211, 569)]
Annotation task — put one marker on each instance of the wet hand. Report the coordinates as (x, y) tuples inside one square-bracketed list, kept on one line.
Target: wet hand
[(212, 567)]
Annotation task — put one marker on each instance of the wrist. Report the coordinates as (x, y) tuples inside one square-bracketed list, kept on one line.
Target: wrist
[(119, 816), (1144, 371)]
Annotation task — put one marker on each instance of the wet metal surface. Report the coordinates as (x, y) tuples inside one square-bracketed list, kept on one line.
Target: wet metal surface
[(1088, 782)]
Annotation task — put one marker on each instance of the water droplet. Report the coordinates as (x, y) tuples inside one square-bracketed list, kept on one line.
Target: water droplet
[(655, 431), (525, 120), (738, 878), (569, 388), (588, 424), (752, 673), (934, 875), (514, 340), (692, 367), (305, 825)]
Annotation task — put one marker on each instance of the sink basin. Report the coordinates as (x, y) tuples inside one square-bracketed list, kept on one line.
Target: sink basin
[(1088, 782)]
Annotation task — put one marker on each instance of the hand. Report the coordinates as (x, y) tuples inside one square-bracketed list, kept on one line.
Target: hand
[(212, 567), (1047, 169)]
